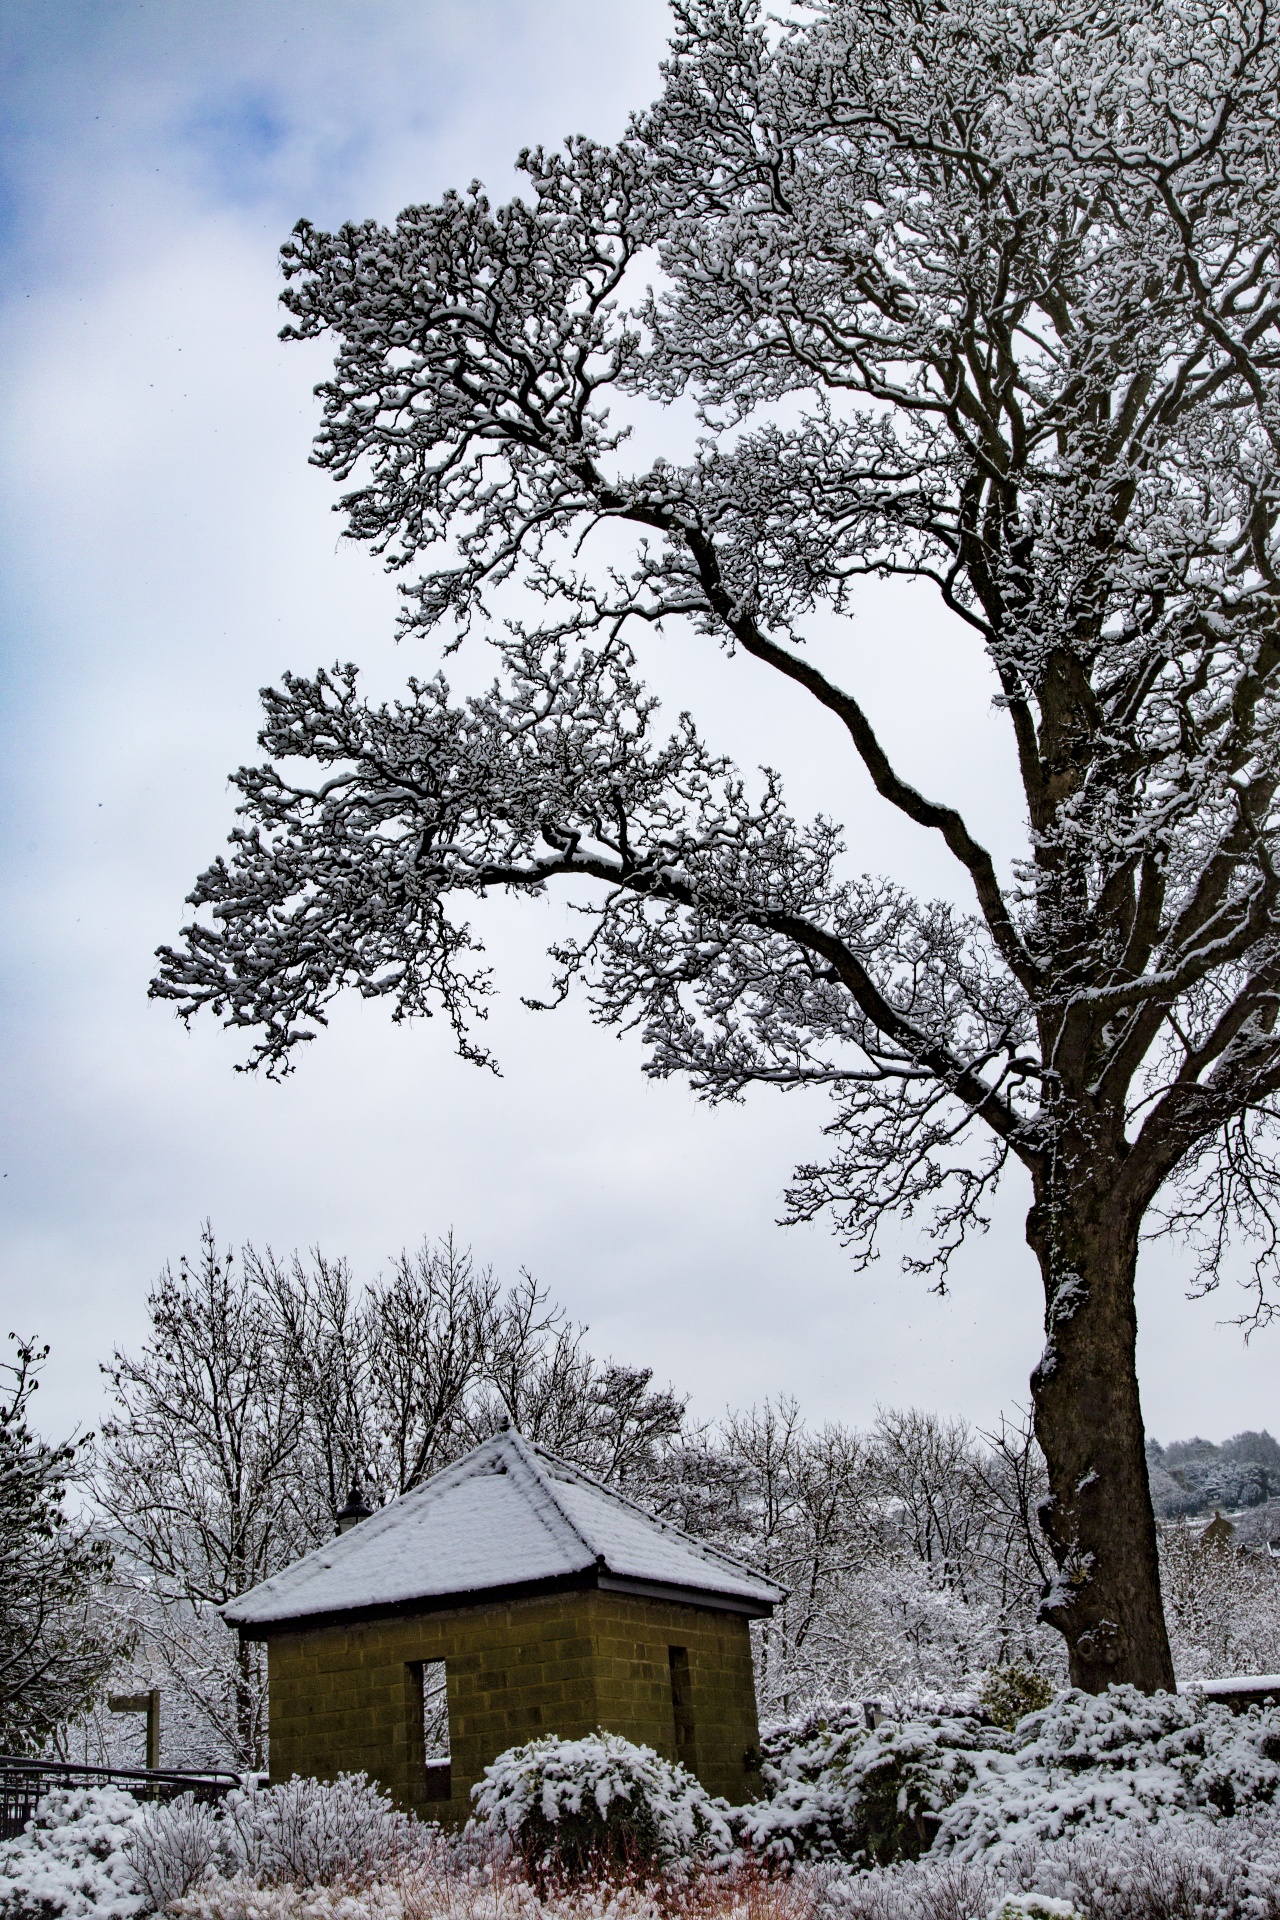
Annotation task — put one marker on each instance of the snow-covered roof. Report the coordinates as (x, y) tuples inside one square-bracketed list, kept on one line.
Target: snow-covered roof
[(507, 1514)]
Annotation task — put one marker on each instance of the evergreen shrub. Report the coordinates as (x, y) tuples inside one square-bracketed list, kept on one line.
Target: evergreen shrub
[(598, 1806)]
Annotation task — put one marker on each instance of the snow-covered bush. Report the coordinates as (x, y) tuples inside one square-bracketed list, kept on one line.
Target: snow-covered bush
[(1109, 1759), (242, 1899), (172, 1847), (455, 1893), (571, 1807), (805, 1745), (948, 1784), (848, 1791), (1189, 1871), (1226, 1872), (319, 1833), (1012, 1691), (1034, 1906), (97, 1852), (919, 1890), (72, 1859)]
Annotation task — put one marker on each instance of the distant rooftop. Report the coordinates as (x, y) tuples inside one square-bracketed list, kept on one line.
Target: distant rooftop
[(507, 1516)]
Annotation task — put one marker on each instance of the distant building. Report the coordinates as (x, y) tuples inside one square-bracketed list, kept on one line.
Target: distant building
[(509, 1596), (1218, 1533)]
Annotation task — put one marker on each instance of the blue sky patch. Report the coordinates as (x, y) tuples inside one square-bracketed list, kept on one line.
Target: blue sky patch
[(237, 140)]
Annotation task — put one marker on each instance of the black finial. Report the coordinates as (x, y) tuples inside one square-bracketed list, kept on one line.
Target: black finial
[(355, 1510)]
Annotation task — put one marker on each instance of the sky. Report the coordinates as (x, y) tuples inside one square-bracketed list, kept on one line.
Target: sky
[(166, 550)]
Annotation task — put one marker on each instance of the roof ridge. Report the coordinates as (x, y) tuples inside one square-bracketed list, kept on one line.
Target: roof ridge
[(527, 1454), (701, 1547)]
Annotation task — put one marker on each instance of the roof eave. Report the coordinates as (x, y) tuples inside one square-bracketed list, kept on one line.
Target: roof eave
[(592, 1578), (756, 1608)]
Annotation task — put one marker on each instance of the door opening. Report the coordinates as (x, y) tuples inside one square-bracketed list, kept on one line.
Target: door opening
[(682, 1707), (432, 1705)]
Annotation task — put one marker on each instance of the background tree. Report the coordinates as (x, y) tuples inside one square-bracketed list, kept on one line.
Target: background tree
[(394, 1380), (193, 1476), (56, 1643), (268, 1386), (1195, 1476), (981, 294), (1223, 1604), (911, 1553), (805, 1510)]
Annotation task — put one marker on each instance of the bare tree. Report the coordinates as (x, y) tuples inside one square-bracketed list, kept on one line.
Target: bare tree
[(268, 1386), (807, 1508), (194, 1467), (56, 1645), (911, 1554), (1223, 1604), (606, 1417), (810, 1516), (321, 1331), (428, 1336), (396, 1379), (966, 1507), (930, 1474), (1016, 1556), (982, 295), (213, 1702), (752, 1485)]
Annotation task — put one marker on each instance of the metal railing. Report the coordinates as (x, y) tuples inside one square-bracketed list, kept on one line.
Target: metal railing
[(24, 1783)]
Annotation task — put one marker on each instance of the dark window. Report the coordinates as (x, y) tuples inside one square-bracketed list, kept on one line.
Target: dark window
[(682, 1706), (430, 1697)]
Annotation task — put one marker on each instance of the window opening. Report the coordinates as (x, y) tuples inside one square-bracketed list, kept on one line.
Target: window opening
[(434, 1696), (682, 1706)]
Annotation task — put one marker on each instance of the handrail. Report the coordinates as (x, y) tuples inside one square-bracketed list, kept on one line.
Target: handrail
[(25, 1779)]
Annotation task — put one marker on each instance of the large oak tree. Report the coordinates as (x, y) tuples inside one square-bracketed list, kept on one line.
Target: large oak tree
[(982, 293)]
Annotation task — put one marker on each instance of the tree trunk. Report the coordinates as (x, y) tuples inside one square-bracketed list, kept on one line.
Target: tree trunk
[(249, 1704), (1098, 1518)]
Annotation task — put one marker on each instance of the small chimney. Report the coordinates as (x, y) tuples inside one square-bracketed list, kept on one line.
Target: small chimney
[(355, 1510)]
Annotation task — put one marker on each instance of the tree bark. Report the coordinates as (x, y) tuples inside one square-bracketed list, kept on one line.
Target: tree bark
[(1098, 1517)]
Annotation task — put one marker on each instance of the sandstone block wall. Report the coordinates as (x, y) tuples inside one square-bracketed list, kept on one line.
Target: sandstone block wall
[(346, 1698)]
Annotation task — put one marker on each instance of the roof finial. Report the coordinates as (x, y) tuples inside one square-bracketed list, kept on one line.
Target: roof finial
[(356, 1509), (504, 1423)]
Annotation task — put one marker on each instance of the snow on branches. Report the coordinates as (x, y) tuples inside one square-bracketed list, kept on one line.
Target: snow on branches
[(1014, 278), (984, 295)]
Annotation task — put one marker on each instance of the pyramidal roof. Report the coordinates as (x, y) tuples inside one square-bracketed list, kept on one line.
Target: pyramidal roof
[(507, 1515)]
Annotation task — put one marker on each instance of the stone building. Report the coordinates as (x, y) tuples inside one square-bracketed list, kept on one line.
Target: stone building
[(509, 1596)]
